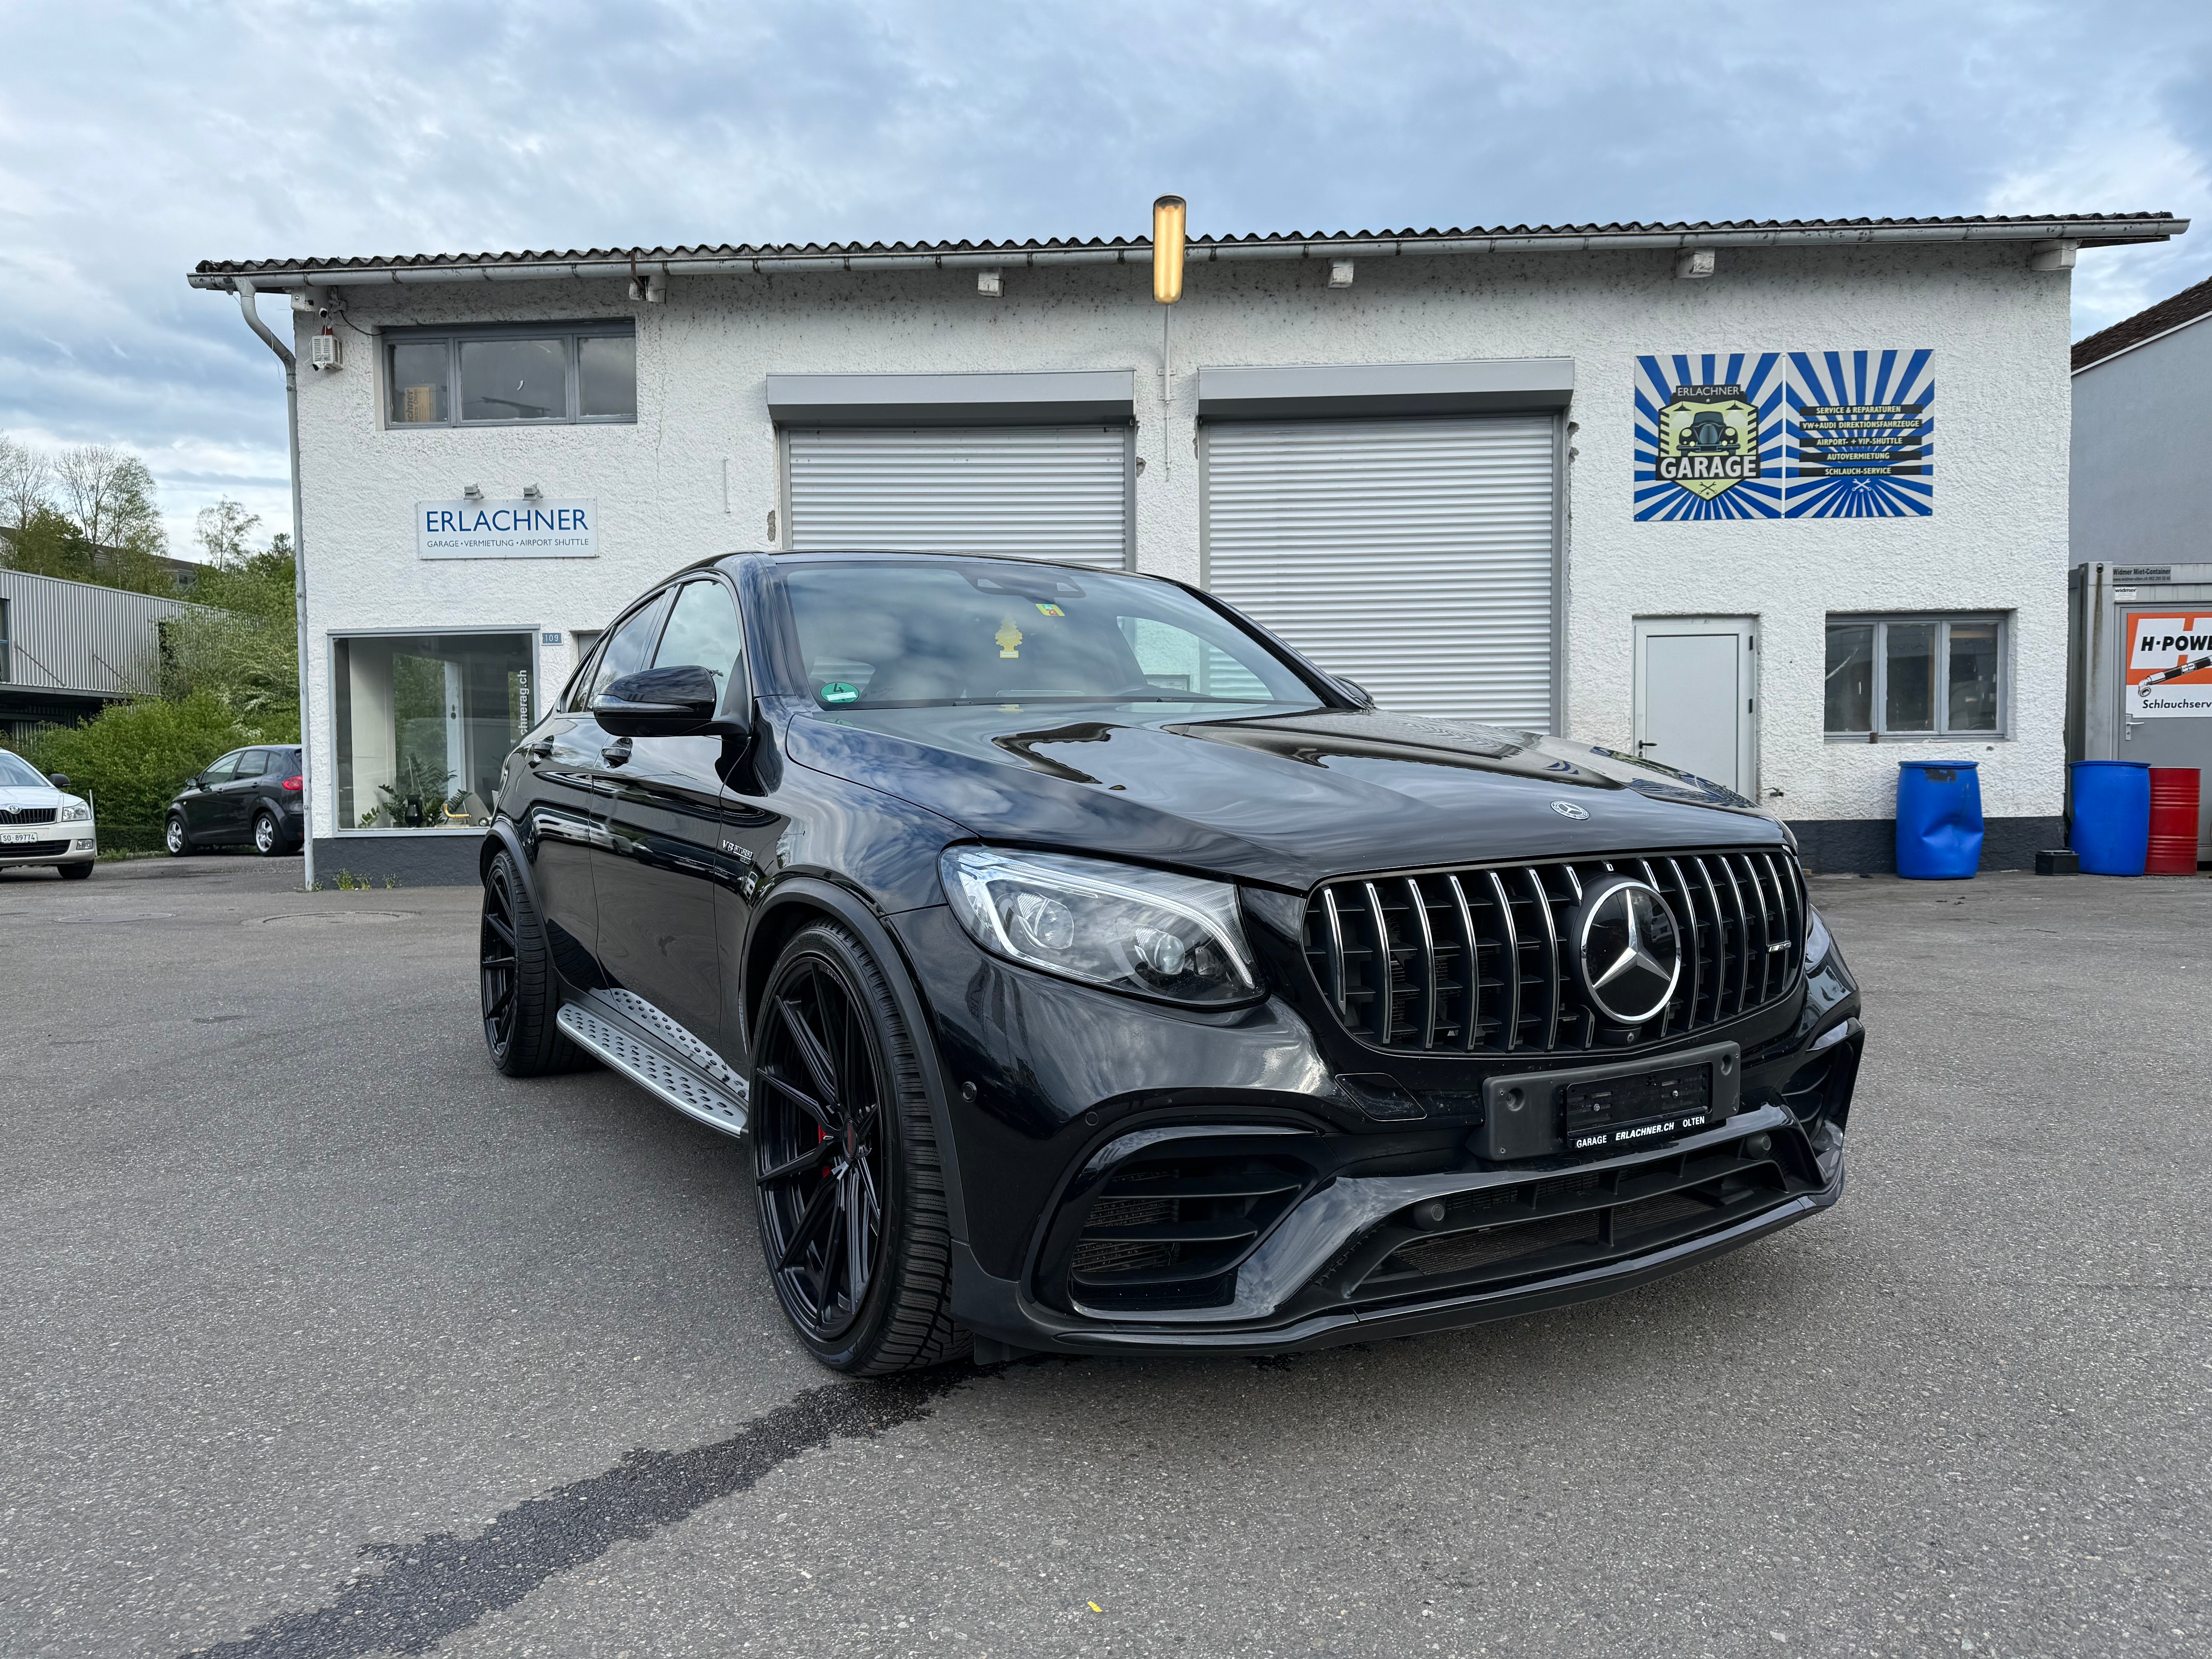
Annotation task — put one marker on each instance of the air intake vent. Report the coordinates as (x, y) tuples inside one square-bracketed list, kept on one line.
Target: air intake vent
[(1478, 960), (1168, 1231)]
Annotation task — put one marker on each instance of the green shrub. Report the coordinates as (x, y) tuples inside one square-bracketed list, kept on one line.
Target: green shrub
[(132, 756)]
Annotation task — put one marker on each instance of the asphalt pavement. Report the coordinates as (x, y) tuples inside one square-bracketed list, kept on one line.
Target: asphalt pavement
[(319, 1338)]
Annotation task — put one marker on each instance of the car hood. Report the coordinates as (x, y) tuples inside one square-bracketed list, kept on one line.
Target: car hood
[(14, 795), (1286, 796)]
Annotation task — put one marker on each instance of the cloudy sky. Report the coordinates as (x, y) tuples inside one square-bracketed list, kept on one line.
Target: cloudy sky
[(137, 139)]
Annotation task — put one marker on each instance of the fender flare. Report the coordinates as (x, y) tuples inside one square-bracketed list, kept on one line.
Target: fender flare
[(856, 914), (503, 838)]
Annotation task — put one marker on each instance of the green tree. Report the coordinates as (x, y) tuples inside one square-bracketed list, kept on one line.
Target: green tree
[(88, 515), (246, 649)]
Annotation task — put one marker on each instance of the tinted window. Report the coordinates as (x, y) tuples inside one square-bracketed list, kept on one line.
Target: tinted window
[(253, 763), (875, 634), (222, 771), (631, 648), (702, 628)]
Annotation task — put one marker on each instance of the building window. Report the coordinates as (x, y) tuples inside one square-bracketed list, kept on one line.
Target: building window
[(1915, 677), (424, 723), (7, 653), (547, 375)]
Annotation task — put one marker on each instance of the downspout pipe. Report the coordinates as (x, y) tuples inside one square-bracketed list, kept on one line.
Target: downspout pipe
[(284, 354)]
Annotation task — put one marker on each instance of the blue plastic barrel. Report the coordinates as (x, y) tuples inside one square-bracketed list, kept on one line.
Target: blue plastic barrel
[(2112, 817), (1939, 819)]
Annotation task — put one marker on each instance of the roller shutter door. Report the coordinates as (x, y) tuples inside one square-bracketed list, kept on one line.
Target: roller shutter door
[(1025, 492), (1416, 557)]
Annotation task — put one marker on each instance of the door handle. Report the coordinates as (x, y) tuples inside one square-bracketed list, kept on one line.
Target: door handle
[(616, 753), (537, 751)]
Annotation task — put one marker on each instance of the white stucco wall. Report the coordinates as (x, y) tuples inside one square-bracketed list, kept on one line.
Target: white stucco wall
[(1996, 540)]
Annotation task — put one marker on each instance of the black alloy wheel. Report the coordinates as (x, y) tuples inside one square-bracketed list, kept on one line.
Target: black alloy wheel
[(521, 993), (265, 835), (172, 837), (852, 1197)]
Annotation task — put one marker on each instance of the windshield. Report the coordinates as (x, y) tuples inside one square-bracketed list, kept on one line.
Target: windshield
[(16, 772), (875, 634)]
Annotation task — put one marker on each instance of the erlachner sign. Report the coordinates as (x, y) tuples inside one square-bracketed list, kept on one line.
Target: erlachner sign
[(539, 529)]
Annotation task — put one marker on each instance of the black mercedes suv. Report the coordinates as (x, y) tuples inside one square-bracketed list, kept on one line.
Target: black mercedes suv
[(1093, 973)]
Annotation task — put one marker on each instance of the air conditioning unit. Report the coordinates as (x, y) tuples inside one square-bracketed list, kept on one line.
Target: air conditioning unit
[(326, 350)]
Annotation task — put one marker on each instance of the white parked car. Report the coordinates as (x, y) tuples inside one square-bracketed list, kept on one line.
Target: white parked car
[(41, 822)]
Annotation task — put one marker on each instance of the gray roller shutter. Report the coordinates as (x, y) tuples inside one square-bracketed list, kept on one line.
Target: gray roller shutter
[(1025, 492), (1416, 557)]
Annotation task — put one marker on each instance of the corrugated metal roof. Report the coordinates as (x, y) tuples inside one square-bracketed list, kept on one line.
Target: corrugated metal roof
[(2146, 325), (2089, 229)]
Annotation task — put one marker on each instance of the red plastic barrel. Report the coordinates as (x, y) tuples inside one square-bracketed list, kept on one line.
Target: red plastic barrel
[(2173, 822)]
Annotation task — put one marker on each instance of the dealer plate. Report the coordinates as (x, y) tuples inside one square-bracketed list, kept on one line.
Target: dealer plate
[(1616, 1106), (1623, 1111)]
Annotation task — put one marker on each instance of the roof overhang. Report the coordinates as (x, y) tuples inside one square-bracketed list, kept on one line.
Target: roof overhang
[(2087, 230)]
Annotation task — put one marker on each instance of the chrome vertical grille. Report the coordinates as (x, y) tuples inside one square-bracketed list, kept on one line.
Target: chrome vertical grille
[(1477, 960)]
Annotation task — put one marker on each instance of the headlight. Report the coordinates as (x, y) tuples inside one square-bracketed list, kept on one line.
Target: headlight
[(77, 812), (1113, 925), (1818, 943)]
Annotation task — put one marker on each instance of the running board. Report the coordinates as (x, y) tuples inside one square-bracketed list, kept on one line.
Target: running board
[(658, 1068)]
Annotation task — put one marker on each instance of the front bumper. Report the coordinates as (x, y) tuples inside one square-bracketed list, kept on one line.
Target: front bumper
[(1291, 1203), (54, 843)]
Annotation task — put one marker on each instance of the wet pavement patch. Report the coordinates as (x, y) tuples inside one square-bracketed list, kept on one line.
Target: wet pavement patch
[(443, 1584)]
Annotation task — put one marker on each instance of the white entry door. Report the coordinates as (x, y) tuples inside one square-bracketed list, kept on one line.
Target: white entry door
[(1696, 697)]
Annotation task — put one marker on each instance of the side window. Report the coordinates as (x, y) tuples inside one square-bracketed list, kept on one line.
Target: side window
[(222, 771), (253, 763), (702, 629), (630, 648)]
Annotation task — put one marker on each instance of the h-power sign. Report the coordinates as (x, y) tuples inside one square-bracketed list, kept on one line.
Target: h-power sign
[(539, 529), (2169, 673)]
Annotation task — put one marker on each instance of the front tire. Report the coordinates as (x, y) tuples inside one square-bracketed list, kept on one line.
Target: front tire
[(520, 991), (75, 872), (854, 1219), (174, 838)]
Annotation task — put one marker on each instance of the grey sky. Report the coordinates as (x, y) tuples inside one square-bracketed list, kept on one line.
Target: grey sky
[(136, 140)]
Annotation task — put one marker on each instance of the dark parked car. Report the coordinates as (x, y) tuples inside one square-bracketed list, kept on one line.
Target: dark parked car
[(249, 797), (1094, 974)]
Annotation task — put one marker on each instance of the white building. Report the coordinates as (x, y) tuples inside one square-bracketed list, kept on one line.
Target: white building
[(1675, 487)]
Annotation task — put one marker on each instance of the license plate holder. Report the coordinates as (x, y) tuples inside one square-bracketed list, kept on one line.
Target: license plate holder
[(1612, 1108)]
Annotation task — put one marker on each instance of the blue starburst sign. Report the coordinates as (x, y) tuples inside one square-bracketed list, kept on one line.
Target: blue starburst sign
[(1861, 431), (1708, 435)]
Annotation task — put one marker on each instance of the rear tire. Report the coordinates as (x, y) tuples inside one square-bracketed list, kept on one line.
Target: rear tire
[(521, 993), (75, 872), (268, 839), (174, 838), (854, 1219)]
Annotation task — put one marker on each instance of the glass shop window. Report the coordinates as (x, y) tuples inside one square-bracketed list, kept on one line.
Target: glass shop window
[(560, 373), (1915, 677), (425, 722)]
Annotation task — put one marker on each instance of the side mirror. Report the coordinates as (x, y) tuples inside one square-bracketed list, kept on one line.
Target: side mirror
[(59, 780), (662, 702)]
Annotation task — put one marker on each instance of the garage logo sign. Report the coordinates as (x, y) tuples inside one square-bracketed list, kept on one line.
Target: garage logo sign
[(1708, 436)]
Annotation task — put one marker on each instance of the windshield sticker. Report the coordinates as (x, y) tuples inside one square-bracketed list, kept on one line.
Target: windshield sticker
[(1708, 435), (839, 691), (1010, 639), (1044, 609)]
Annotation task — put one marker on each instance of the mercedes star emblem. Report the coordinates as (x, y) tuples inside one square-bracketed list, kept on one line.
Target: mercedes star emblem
[(1567, 809), (1629, 948)]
